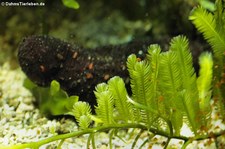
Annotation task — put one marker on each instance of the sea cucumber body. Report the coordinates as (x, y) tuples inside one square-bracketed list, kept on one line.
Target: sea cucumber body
[(78, 70)]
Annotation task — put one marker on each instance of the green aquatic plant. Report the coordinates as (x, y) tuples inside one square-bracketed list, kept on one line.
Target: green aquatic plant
[(166, 92), (212, 26), (53, 95), (71, 4), (166, 95), (207, 4)]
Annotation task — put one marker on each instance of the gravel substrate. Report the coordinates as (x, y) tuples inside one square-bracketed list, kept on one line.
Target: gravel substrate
[(21, 121)]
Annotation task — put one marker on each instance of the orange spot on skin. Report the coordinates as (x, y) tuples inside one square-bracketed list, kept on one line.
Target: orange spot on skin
[(91, 66), (106, 76), (89, 75), (75, 54), (42, 68)]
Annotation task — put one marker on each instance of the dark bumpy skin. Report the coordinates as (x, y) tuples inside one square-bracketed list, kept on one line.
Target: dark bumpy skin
[(78, 70)]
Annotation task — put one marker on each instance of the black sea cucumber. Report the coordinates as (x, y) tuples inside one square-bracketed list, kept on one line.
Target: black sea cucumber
[(78, 70)]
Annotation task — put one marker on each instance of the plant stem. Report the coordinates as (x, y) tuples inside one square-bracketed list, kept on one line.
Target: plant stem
[(37, 144), (167, 143), (188, 140)]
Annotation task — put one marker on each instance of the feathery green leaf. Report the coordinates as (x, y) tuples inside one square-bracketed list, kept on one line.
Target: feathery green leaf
[(170, 85), (82, 111), (212, 25), (205, 22), (119, 93), (104, 109), (102, 87), (131, 62), (204, 80), (153, 58), (140, 74), (190, 103)]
